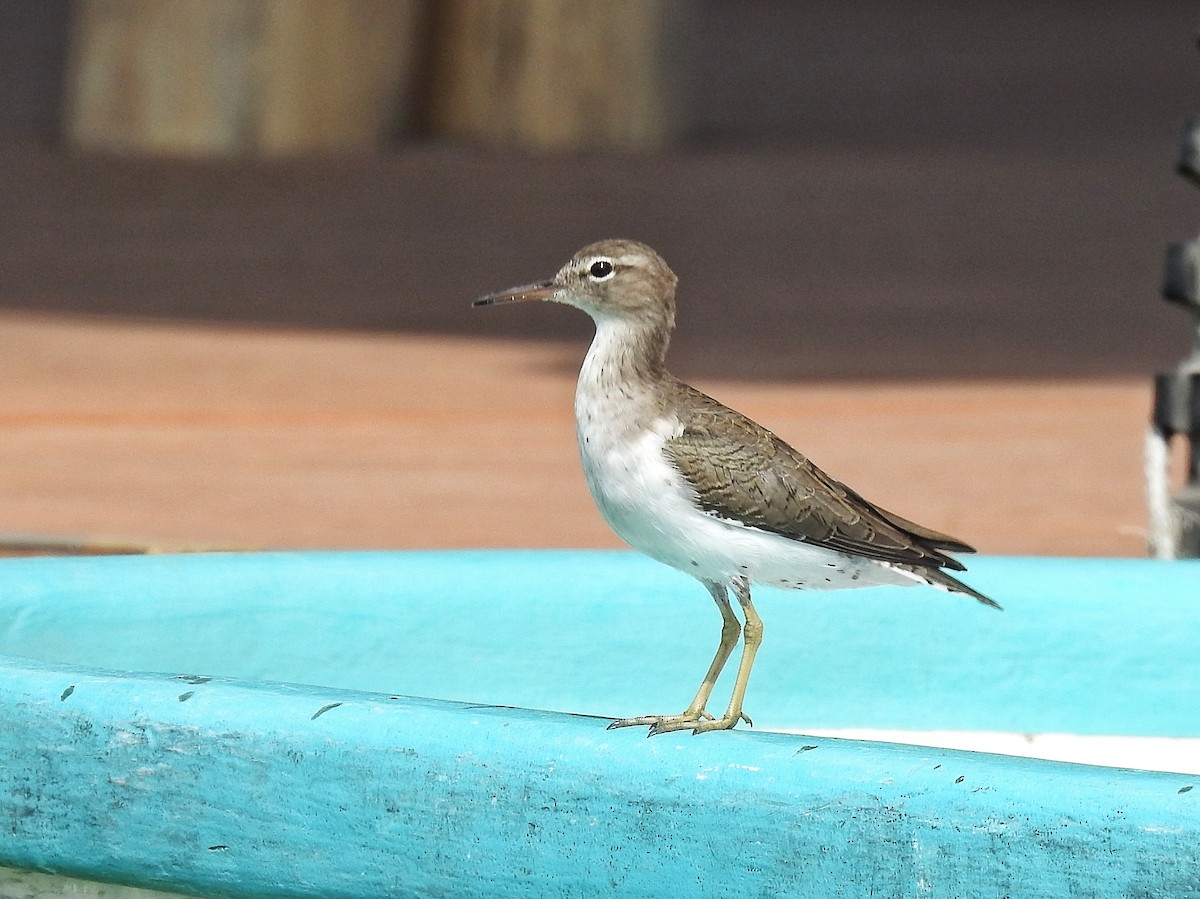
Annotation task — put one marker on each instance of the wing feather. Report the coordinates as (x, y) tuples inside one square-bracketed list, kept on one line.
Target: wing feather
[(743, 472)]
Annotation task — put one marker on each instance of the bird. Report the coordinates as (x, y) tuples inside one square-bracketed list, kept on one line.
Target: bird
[(700, 487)]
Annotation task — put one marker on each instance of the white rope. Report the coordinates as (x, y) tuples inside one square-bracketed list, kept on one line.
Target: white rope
[(1164, 523)]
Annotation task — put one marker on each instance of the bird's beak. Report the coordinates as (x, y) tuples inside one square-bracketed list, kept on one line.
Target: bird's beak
[(543, 290)]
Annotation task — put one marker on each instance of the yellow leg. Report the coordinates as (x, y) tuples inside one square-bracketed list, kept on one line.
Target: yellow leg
[(752, 639), (695, 713)]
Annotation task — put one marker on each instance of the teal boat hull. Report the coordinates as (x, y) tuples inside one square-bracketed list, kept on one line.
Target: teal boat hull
[(430, 724)]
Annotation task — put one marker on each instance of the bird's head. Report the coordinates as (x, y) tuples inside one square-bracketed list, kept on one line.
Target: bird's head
[(620, 279)]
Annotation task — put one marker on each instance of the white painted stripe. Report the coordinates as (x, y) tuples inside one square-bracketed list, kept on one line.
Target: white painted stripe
[(1180, 755)]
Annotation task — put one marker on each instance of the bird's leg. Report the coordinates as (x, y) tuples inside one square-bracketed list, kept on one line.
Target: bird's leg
[(752, 639), (731, 629)]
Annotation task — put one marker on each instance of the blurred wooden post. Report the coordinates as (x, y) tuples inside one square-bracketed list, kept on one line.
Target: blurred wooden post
[(557, 74), (239, 77)]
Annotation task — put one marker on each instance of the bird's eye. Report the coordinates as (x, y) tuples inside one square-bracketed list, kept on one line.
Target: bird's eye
[(601, 269)]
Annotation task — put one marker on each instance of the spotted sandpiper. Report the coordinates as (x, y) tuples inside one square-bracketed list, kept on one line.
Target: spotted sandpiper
[(702, 488)]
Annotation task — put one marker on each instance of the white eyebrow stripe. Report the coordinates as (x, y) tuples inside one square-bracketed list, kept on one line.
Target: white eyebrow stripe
[(630, 259)]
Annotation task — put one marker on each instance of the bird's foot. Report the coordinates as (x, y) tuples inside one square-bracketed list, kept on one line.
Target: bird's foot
[(697, 722), (726, 722), (662, 723)]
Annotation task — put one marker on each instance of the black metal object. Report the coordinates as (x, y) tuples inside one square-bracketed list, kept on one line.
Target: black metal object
[(1181, 282), (1189, 151), (1177, 404), (1177, 393), (1177, 413)]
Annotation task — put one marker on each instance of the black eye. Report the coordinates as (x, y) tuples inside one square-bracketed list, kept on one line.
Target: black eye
[(601, 269)]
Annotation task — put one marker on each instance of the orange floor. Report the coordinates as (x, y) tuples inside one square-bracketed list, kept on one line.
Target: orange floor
[(187, 436)]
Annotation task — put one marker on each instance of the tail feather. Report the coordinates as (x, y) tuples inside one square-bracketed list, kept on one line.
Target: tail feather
[(940, 579), (935, 577), (928, 536)]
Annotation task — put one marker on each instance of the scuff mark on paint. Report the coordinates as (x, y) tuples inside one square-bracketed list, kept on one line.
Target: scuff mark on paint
[(323, 709)]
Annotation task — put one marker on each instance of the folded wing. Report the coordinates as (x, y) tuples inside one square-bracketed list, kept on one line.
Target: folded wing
[(742, 472)]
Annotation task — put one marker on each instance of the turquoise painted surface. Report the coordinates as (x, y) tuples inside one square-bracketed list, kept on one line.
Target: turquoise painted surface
[(211, 778), (243, 791), (1088, 646)]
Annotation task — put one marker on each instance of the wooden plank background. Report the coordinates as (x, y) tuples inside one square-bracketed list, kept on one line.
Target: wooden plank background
[(936, 271), (218, 436)]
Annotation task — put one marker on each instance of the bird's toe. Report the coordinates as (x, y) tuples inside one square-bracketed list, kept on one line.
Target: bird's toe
[(662, 724), (726, 722)]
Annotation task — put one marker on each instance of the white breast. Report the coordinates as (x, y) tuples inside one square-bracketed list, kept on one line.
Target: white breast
[(622, 428)]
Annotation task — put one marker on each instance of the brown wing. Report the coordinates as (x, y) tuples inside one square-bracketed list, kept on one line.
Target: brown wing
[(743, 472)]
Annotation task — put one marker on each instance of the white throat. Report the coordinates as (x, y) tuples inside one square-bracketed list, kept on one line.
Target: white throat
[(625, 358)]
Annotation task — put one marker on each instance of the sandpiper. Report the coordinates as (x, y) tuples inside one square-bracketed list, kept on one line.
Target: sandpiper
[(702, 488)]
